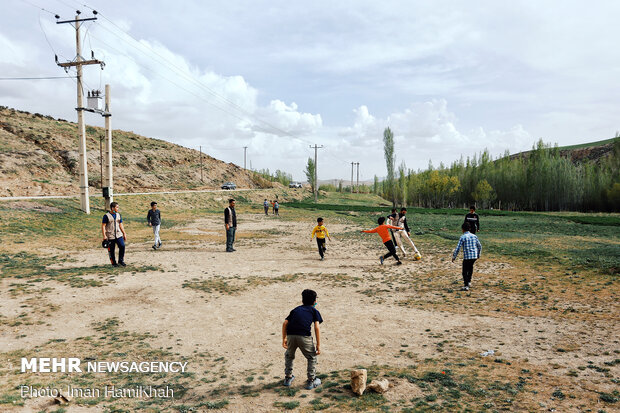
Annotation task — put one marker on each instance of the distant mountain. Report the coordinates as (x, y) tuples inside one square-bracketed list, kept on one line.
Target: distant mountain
[(39, 156)]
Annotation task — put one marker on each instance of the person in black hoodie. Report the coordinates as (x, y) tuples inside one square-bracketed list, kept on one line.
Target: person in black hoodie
[(473, 220)]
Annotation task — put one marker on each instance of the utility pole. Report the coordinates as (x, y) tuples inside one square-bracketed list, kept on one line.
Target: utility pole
[(357, 187), (107, 180), (79, 62), (201, 164), (352, 163), (245, 148), (316, 182)]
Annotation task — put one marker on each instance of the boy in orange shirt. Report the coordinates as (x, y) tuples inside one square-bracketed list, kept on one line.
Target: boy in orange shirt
[(384, 233)]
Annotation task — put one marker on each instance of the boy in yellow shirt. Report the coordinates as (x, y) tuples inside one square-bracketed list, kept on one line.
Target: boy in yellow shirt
[(321, 232)]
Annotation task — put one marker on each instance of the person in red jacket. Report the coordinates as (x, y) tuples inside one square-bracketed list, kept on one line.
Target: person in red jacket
[(384, 233)]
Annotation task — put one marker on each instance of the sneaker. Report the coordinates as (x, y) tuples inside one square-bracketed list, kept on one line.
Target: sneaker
[(288, 380), (381, 259), (234, 250), (465, 288), (313, 384), (122, 264), (322, 258), (399, 263), (229, 250), (159, 244), (469, 285), (114, 264), (154, 247)]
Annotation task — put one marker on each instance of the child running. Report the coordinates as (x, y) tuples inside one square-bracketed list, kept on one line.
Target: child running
[(383, 231), (321, 232)]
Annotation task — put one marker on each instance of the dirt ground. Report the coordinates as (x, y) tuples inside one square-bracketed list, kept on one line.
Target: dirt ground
[(367, 321)]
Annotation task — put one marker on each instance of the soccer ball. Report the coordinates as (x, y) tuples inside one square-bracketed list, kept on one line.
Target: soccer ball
[(417, 257)]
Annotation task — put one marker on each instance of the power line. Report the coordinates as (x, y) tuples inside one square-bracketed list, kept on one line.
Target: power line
[(180, 71), (242, 114), (37, 7), (38, 78)]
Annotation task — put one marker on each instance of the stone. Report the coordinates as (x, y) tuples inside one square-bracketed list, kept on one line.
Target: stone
[(379, 386), (358, 381)]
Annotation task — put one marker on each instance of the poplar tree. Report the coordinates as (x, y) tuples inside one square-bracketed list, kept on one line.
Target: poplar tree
[(388, 149)]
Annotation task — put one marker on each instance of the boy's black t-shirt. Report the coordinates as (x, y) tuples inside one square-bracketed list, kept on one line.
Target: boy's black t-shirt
[(300, 320)]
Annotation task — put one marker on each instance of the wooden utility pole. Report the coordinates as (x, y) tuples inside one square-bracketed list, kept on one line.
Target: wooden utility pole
[(357, 187), (201, 180), (316, 182), (108, 193), (79, 62), (352, 163), (245, 148)]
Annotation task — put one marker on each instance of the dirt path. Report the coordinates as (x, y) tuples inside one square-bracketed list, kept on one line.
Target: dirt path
[(261, 282)]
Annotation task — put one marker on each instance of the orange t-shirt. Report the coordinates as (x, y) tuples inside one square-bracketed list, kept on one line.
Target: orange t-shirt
[(383, 232)]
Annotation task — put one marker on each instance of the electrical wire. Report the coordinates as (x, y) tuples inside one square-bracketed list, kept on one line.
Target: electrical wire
[(37, 78), (37, 7), (183, 74)]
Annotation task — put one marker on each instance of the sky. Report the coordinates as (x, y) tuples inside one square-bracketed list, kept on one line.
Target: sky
[(449, 78)]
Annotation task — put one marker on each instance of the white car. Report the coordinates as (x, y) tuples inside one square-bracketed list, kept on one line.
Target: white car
[(294, 185)]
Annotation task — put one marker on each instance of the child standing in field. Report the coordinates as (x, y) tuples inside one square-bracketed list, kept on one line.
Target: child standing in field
[(321, 232), (473, 220), (471, 252), (276, 208), (383, 231), (266, 206), (296, 334), (153, 218)]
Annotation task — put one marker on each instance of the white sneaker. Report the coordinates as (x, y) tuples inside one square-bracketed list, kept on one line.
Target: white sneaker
[(465, 288)]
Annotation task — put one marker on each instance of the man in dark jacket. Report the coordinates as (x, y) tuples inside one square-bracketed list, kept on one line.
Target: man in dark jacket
[(230, 220)]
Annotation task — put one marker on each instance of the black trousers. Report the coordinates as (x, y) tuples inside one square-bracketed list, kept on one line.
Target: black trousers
[(468, 270), (392, 250), (320, 242)]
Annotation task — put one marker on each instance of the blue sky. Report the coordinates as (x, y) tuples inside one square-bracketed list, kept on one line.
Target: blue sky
[(449, 77)]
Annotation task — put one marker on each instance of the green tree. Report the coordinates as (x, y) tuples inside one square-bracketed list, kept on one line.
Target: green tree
[(402, 184), (613, 197), (310, 167), (388, 149), (483, 193)]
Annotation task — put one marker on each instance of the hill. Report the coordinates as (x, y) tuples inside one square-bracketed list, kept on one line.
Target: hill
[(593, 151), (39, 156)]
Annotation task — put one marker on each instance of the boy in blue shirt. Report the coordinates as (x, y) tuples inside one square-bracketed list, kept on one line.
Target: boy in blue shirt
[(471, 252), (296, 334)]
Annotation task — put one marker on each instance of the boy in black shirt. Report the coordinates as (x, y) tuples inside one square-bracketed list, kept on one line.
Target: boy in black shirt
[(296, 333), (473, 220)]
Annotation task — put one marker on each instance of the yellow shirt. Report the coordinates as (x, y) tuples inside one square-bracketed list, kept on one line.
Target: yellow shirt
[(320, 231)]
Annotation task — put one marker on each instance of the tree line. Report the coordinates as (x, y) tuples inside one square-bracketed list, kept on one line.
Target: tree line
[(541, 180)]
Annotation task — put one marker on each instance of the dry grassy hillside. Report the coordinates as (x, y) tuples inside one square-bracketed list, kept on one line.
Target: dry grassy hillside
[(39, 156)]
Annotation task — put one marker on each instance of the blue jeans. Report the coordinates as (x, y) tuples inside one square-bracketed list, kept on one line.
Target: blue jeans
[(230, 238), (121, 249)]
